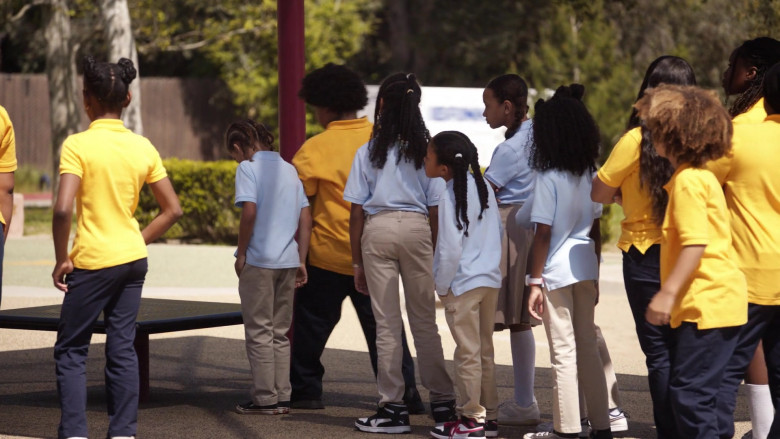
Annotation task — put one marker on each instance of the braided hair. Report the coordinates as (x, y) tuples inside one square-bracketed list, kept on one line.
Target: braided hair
[(512, 88), (108, 82), (248, 134), (761, 53), (454, 150), (566, 137), (398, 121), (654, 170)]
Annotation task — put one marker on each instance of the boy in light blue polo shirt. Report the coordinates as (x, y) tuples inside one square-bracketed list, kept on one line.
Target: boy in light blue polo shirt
[(269, 262)]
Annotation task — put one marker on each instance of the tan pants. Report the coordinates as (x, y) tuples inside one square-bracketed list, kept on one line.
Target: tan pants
[(609, 375), (470, 317), (400, 242), (571, 334), (266, 306)]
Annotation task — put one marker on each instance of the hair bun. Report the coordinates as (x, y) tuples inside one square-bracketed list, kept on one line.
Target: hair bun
[(577, 91), (89, 65), (127, 70)]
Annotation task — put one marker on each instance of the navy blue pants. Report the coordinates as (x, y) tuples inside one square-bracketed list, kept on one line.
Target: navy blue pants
[(699, 360), (115, 291), (642, 277), (316, 312), (763, 324)]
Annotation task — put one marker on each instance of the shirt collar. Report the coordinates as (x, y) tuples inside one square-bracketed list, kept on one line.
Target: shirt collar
[(109, 124), (679, 169), (349, 124)]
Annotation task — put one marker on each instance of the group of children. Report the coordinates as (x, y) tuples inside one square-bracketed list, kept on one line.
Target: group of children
[(503, 250)]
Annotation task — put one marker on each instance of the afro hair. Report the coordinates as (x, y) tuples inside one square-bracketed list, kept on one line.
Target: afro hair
[(334, 87), (690, 123)]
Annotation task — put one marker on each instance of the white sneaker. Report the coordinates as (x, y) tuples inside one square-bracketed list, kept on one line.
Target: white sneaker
[(541, 435), (547, 427), (509, 413), (618, 421)]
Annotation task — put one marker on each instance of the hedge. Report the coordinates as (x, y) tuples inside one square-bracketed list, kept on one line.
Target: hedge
[(206, 191)]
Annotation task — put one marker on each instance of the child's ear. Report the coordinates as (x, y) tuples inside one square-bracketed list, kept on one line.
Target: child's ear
[(751, 73), (508, 107)]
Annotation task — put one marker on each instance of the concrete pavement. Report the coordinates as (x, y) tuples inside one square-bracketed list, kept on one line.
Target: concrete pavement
[(198, 376)]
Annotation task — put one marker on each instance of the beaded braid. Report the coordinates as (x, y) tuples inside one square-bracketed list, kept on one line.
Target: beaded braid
[(761, 53), (455, 150)]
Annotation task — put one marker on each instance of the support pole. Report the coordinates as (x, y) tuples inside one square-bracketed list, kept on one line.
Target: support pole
[(292, 112)]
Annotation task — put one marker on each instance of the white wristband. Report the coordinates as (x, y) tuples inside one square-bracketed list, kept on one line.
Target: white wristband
[(533, 281)]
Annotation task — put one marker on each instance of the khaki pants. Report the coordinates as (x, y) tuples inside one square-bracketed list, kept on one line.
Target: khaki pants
[(470, 317), (266, 306), (571, 334), (400, 242)]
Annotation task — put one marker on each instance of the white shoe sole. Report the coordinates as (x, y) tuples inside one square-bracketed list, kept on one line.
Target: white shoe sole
[(619, 425), (389, 430)]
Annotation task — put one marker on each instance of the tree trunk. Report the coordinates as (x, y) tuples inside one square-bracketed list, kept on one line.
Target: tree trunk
[(61, 73), (119, 35)]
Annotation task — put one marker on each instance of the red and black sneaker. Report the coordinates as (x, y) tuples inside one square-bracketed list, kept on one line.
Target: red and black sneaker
[(460, 429)]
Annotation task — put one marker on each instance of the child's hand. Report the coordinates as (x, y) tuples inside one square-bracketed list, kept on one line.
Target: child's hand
[(536, 302), (659, 310), (301, 277), (360, 280), (58, 275), (239, 265)]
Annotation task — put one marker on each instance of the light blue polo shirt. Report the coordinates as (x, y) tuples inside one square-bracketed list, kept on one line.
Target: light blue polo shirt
[(509, 169), (462, 263), (562, 201), (273, 185), (397, 186)]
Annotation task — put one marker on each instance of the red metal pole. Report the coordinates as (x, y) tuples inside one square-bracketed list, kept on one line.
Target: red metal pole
[(292, 112)]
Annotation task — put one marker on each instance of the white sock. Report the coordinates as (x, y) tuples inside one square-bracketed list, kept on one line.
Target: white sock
[(762, 412), (523, 362)]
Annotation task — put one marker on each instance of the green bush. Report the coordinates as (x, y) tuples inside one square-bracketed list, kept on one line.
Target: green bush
[(206, 192)]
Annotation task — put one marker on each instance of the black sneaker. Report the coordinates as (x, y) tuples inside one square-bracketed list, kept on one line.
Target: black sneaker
[(601, 434), (249, 408), (460, 429), (391, 418), (491, 428), (413, 401), (443, 412), (283, 407)]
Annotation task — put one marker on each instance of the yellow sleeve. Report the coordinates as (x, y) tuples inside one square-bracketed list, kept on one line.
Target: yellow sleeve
[(156, 170), (623, 159), (688, 202), (306, 165), (7, 143), (70, 162)]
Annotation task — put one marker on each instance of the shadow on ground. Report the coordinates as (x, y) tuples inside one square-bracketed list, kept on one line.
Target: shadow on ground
[(196, 381)]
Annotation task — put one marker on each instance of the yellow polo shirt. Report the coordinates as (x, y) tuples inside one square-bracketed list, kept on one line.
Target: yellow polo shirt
[(754, 114), (323, 165), (7, 146), (621, 170), (750, 175), (113, 164), (715, 295)]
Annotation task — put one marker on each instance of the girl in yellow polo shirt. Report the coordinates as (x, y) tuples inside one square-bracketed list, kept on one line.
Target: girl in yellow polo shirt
[(703, 293), (103, 169), (636, 174), (744, 76)]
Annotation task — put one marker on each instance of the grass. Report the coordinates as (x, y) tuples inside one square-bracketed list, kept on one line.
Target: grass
[(37, 221)]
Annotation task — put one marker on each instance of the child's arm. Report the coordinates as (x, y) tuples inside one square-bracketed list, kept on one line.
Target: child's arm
[(304, 236), (603, 193), (356, 220), (60, 227), (433, 220), (170, 210), (539, 249), (248, 215), (595, 235), (660, 308)]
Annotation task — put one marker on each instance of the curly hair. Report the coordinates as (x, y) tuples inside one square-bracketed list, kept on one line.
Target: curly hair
[(566, 137), (456, 151), (761, 53), (772, 88), (334, 87), (689, 122), (398, 121), (654, 170), (248, 134), (512, 88), (108, 82)]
